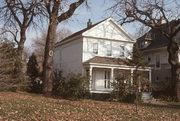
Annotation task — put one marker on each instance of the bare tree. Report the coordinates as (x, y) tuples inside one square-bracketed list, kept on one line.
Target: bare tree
[(18, 14), (63, 33), (151, 13), (39, 43), (57, 11)]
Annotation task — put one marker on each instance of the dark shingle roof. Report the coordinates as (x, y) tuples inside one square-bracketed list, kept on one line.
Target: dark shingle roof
[(108, 60), (157, 40)]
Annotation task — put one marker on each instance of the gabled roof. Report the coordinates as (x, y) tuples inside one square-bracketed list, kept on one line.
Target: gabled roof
[(107, 60), (79, 33)]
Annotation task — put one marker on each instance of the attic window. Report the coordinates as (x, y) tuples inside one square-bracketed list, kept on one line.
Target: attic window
[(122, 51), (95, 48)]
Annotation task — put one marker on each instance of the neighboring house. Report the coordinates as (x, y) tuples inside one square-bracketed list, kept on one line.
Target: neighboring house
[(99, 51), (154, 46)]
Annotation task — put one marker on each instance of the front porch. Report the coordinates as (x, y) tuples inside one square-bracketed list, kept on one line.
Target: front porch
[(102, 75)]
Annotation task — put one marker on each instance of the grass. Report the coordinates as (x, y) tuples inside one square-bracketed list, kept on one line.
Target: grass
[(31, 107)]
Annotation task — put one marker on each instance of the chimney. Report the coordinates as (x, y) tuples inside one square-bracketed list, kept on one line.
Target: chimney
[(89, 23)]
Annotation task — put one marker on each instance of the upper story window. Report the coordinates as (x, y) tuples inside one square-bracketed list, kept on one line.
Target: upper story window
[(95, 48), (122, 51), (109, 50), (149, 59), (157, 65)]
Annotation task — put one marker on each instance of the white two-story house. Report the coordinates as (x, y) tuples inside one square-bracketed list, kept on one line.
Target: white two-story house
[(99, 51)]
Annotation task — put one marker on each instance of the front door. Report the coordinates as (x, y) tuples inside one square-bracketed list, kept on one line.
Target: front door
[(101, 79)]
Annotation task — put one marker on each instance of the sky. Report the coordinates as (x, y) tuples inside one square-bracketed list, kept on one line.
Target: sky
[(97, 11)]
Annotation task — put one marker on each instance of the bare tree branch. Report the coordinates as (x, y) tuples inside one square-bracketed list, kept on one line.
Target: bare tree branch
[(71, 10)]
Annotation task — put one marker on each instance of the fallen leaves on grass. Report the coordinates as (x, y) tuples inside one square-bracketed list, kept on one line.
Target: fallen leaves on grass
[(25, 107)]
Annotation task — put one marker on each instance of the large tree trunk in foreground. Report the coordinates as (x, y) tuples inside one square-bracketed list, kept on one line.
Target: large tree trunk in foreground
[(173, 50), (175, 82), (54, 20), (48, 58)]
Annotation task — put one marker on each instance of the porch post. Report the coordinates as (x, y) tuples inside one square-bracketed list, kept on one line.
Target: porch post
[(112, 74), (90, 78), (150, 76), (150, 79), (132, 74)]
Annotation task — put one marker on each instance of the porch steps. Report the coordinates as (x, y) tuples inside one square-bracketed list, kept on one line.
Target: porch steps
[(147, 97)]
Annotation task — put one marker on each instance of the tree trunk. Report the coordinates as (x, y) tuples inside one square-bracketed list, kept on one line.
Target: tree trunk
[(48, 57), (173, 59), (19, 63)]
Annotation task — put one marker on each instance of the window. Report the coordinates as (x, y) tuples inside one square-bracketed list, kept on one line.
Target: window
[(109, 50), (95, 48), (121, 51), (149, 59), (107, 79), (157, 61), (157, 78)]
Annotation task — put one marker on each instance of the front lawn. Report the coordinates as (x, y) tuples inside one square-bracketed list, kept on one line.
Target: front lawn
[(31, 107)]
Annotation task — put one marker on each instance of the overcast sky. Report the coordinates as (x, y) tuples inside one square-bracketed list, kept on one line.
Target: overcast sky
[(97, 12)]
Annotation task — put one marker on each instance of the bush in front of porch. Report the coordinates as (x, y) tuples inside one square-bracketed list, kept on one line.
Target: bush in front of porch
[(122, 90)]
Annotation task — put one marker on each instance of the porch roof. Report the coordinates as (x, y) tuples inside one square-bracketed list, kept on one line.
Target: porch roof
[(108, 60), (117, 63)]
